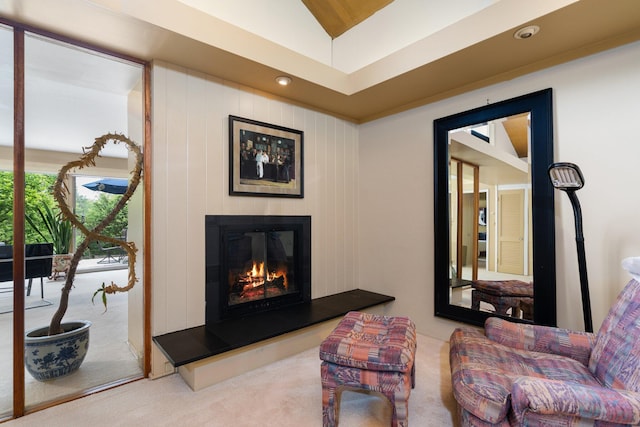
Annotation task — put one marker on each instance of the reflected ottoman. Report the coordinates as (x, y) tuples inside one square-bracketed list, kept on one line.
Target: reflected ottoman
[(504, 294), (369, 352)]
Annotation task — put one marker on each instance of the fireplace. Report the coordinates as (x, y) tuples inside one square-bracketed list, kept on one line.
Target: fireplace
[(256, 264)]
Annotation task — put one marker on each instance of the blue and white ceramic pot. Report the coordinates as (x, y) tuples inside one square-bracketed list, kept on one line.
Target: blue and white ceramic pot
[(48, 357)]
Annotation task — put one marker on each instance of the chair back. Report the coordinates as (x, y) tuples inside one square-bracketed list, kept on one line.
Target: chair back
[(615, 359), (6, 263), (38, 259)]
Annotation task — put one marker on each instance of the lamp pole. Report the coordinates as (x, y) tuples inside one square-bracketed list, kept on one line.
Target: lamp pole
[(582, 262), (568, 178)]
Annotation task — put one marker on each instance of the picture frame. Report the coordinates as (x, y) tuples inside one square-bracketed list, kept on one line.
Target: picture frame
[(265, 159)]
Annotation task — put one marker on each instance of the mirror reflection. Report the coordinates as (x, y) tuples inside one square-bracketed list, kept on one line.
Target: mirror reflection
[(494, 234), (490, 209)]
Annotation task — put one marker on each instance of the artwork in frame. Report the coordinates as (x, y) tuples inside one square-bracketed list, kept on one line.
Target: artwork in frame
[(265, 159)]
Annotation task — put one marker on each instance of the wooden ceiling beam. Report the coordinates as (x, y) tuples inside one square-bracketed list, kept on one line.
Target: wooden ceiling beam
[(339, 16)]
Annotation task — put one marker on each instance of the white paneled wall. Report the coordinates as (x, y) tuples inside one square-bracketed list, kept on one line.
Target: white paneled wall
[(190, 179)]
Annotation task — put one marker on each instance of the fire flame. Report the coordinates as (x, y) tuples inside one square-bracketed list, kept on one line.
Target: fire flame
[(257, 271), (255, 277)]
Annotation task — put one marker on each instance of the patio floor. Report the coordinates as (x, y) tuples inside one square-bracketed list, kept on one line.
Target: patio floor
[(109, 358)]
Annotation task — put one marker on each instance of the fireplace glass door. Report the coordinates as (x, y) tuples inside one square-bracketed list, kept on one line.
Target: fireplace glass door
[(256, 263), (260, 265)]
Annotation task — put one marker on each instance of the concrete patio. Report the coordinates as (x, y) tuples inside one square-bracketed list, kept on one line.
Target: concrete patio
[(109, 358)]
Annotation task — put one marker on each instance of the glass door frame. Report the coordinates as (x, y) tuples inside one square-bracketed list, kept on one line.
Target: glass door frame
[(19, 31)]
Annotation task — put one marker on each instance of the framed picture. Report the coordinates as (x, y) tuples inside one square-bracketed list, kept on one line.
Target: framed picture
[(265, 159)]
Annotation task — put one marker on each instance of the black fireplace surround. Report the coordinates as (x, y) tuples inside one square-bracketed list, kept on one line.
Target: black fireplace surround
[(242, 308), (255, 264)]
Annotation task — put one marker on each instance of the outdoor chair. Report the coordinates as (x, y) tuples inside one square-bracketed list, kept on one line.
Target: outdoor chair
[(113, 254), (518, 374), (38, 260)]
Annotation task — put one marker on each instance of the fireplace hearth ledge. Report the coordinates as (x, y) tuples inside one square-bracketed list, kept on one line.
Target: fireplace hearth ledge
[(231, 347)]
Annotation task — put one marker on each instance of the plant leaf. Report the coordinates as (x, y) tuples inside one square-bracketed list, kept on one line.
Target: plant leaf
[(104, 296)]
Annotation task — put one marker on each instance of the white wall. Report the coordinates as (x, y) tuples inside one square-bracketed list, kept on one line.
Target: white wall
[(597, 109), (369, 188), (190, 180)]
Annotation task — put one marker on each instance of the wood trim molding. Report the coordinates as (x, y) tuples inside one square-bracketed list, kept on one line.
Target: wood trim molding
[(18, 223), (147, 223)]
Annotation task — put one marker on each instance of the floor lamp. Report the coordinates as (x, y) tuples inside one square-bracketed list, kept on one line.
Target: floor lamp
[(568, 177)]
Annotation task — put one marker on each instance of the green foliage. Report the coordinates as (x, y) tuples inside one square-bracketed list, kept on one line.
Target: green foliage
[(6, 208), (39, 198), (56, 229), (100, 208), (37, 193), (92, 212), (96, 210), (83, 205)]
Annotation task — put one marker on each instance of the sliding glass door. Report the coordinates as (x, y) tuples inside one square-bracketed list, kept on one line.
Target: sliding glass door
[(69, 95)]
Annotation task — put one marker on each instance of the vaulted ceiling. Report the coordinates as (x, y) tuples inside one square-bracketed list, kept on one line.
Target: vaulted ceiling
[(360, 75), (339, 16)]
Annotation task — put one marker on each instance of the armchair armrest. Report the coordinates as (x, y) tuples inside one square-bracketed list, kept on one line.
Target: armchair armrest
[(553, 397), (544, 339)]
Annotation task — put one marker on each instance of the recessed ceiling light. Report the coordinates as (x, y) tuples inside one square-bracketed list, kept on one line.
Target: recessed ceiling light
[(526, 32), (283, 80)]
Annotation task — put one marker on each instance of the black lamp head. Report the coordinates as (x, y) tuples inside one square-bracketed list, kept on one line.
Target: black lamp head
[(566, 176)]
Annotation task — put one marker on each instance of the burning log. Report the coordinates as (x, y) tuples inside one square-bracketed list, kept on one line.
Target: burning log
[(252, 289)]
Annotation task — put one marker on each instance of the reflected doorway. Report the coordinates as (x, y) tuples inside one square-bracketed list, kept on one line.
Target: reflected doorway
[(489, 209)]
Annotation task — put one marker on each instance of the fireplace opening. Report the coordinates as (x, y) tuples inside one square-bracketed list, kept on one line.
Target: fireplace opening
[(256, 263), (260, 264)]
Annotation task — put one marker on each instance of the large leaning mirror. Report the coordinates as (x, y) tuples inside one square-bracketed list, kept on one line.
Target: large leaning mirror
[(494, 223)]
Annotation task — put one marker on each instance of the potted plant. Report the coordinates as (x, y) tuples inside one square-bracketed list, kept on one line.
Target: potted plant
[(59, 349), (57, 230)]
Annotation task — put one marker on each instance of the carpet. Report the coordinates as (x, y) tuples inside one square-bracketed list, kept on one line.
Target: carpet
[(7, 307), (283, 394)]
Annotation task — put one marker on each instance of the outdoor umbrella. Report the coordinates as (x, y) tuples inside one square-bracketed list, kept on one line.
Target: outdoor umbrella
[(109, 185)]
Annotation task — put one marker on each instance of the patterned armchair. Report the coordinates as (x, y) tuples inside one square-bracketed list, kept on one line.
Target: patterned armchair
[(521, 374)]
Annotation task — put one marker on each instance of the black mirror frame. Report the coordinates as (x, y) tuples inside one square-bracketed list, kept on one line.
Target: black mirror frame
[(544, 266)]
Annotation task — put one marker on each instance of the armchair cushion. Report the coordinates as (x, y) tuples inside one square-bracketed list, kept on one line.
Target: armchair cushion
[(521, 374), (483, 372), (615, 359), (373, 342), (531, 399), (545, 339)]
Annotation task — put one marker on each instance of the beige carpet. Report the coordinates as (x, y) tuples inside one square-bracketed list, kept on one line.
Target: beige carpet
[(286, 393)]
